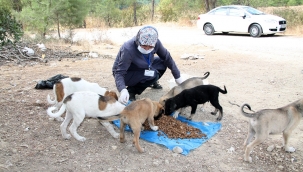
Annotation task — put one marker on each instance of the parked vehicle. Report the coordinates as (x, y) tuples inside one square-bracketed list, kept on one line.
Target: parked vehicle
[(241, 19)]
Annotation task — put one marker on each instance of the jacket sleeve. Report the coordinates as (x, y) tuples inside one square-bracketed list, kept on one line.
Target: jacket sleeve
[(121, 65), (164, 54)]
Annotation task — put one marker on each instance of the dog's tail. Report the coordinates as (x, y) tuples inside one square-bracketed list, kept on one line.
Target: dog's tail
[(109, 118), (206, 74), (57, 114), (249, 115), (49, 100), (223, 91)]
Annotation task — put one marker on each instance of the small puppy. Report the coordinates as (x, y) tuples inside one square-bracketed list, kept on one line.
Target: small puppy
[(272, 121), (135, 115), (189, 83), (83, 104), (194, 96)]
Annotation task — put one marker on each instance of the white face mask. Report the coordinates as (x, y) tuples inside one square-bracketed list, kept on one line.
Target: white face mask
[(143, 51)]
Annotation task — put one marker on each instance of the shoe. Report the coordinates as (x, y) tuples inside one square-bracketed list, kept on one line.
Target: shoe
[(156, 85), (132, 96)]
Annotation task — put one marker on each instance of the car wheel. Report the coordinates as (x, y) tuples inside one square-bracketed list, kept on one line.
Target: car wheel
[(208, 29), (255, 30)]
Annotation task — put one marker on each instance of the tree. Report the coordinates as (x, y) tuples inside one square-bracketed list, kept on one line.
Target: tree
[(153, 10), (43, 14), (135, 12), (10, 29), (210, 4)]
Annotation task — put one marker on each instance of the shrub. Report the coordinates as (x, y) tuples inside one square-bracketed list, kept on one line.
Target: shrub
[(10, 30)]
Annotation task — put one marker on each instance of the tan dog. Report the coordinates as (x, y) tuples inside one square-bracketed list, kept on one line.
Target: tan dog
[(189, 83), (272, 121), (135, 115)]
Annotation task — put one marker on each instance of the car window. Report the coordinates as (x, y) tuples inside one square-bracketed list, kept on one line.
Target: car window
[(220, 11), (253, 11), (235, 12)]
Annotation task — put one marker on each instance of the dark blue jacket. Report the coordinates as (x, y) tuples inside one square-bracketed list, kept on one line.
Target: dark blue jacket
[(130, 64)]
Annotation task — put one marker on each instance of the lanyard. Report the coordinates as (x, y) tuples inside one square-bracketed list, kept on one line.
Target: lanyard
[(147, 59)]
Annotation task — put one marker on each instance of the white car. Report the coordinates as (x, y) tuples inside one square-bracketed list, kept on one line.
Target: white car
[(242, 19)]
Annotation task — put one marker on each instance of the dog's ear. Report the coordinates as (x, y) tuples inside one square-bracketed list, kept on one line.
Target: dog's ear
[(162, 110)]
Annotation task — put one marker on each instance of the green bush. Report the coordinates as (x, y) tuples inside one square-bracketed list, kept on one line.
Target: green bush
[(10, 30)]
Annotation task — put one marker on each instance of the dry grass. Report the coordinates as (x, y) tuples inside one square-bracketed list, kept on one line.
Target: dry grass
[(293, 15)]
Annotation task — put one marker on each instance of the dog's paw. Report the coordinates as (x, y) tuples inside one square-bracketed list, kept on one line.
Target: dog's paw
[(176, 114), (290, 149), (219, 119), (67, 136), (82, 139), (141, 150), (249, 159), (155, 128)]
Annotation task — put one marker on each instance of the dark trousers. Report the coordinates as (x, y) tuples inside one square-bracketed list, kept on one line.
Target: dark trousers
[(140, 87)]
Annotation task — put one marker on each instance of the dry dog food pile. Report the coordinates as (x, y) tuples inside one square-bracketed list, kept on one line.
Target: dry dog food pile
[(175, 129)]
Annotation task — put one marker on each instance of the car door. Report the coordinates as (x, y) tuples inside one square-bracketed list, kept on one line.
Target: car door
[(238, 20), (218, 19)]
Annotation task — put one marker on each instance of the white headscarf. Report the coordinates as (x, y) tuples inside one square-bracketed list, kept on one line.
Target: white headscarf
[(147, 35)]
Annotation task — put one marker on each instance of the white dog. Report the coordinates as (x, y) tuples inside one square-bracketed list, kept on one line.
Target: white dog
[(67, 86), (84, 104)]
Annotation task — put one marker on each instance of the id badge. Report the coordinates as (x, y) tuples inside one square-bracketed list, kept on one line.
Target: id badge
[(149, 73)]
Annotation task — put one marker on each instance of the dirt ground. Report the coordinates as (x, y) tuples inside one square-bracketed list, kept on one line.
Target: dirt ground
[(31, 141)]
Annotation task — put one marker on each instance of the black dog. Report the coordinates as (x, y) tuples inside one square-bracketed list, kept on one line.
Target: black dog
[(194, 96)]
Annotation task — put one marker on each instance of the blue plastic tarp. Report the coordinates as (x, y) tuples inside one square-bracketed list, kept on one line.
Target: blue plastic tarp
[(208, 128)]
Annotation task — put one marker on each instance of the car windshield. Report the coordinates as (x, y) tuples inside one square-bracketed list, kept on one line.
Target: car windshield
[(253, 11)]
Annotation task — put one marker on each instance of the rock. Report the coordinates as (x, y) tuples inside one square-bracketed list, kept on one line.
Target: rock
[(177, 149), (166, 161), (270, 148), (3, 144), (231, 150), (279, 147), (293, 160)]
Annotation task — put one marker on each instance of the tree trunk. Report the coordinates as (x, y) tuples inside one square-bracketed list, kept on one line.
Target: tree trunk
[(108, 20), (84, 23), (135, 15), (153, 10), (213, 4), (210, 4), (58, 26), (206, 5)]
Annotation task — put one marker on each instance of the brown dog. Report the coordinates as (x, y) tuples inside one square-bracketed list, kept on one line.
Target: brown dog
[(135, 115), (272, 121)]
